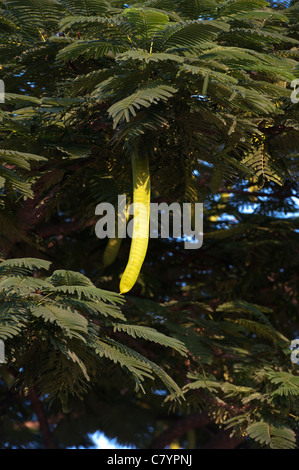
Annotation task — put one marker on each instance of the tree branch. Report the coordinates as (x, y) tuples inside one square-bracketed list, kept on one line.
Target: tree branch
[(41, 416), (179, 429), (222, 440)]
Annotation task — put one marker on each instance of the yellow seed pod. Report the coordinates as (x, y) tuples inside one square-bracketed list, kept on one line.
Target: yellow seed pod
[(140, 233), (114, 244), (111, 250)]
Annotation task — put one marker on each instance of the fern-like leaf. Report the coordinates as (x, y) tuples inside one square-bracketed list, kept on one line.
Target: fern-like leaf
[(144, 97), (272, 436)]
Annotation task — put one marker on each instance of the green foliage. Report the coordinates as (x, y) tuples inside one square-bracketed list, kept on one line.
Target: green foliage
[(147, 36), (203, 89), (275, 437), (145, 97), (10, 180), (59, 336)]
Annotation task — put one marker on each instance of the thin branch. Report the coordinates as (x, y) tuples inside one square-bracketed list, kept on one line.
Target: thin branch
[(279, 194), (64, 228), (41, 416)]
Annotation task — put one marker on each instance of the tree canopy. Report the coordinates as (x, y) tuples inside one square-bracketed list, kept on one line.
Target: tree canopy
[(196, 98)]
